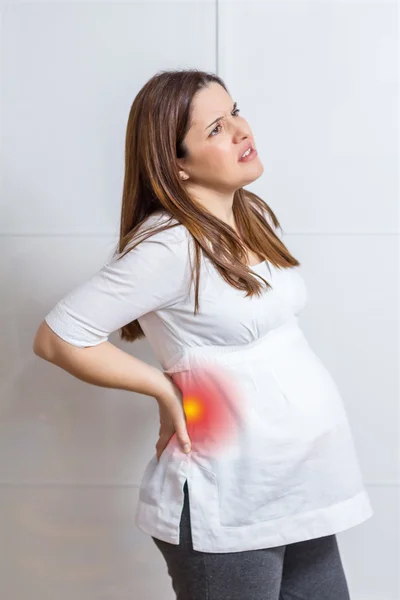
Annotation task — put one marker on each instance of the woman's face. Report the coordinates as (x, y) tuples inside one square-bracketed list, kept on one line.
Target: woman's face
[(215, 147)]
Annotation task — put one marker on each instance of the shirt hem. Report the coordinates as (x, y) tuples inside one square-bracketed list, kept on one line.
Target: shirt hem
[(312, 524)]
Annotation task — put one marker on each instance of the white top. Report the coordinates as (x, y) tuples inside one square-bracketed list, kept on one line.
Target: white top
[(273, 460)]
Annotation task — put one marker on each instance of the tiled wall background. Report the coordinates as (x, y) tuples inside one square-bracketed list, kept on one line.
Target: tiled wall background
[(318, 81)]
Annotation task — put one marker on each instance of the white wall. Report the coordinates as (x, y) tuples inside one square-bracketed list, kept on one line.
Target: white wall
[(318, 82)]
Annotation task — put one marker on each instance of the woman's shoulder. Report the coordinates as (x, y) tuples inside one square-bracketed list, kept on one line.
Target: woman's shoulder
[(158, 243), (167, 228)]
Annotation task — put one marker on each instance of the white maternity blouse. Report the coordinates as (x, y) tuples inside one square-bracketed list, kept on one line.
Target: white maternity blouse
[(273, 460)]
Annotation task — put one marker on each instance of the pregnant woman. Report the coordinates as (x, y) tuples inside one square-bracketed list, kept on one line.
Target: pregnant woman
[(249, 511)]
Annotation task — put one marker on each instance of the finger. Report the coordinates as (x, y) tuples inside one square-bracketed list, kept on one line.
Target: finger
[(182, 435), (178, 418)]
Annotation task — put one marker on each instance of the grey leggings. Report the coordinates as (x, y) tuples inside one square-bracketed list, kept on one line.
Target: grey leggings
[(308, 570)]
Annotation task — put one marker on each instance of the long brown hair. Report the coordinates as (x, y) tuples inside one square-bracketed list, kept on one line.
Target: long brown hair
[(158, 122)]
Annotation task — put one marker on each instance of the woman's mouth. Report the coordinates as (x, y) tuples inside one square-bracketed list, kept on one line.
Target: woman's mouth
[(249, 155)]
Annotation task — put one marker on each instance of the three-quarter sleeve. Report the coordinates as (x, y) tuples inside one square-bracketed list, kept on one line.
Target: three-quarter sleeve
[(149, 277)]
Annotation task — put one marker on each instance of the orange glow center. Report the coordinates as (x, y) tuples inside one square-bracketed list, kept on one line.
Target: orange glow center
[(193, 408)]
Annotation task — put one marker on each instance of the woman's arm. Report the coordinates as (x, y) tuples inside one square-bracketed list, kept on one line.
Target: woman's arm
[(74, 334), (106, 365), (103, 365)]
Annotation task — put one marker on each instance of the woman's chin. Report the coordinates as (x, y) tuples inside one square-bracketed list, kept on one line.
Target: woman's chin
[(253, 174)]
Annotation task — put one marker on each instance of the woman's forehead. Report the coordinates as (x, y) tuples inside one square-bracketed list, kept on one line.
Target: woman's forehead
[(207, 108)]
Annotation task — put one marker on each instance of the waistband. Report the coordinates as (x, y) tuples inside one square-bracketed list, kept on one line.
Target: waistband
[(264, 346)]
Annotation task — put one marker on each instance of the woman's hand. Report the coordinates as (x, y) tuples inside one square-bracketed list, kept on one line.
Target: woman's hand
[(172, 418)]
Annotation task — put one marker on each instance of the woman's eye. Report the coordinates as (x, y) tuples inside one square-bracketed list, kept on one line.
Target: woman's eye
[(235, 113)]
